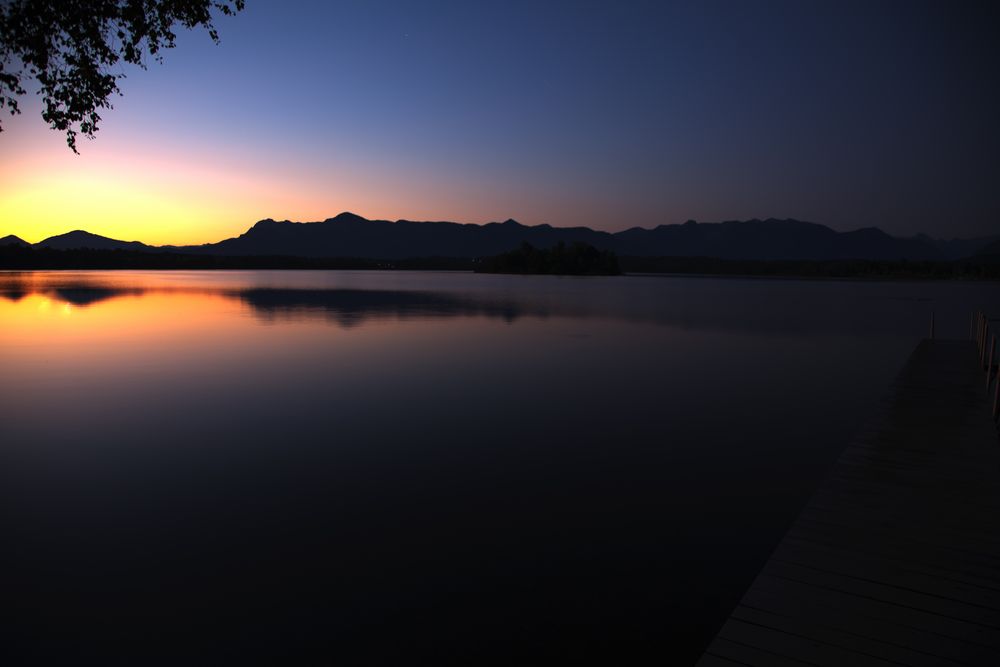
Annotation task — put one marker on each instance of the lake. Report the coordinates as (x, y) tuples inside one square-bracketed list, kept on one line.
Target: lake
[(417, 467)]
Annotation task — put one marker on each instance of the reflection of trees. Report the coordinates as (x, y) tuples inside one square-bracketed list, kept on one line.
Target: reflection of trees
[(85, 296), (346, 307), (577, 259), (75, 294), (14, 293), (784, 307), (350, 307)]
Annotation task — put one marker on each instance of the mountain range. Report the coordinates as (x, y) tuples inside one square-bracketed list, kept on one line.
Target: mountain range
[(350, 235)]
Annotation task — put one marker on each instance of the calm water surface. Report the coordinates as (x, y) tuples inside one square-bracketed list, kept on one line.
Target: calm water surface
[(418, 468)]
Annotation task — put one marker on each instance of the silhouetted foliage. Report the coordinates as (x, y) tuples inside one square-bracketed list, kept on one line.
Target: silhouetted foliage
[(70, 48), (27, 257), (990, 254), (13, 256), (578, 259)]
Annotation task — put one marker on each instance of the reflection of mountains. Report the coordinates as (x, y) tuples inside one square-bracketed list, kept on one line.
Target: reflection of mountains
[(778, 308), (350, 307), (87, 295), (74, 294), (346, 307), (765, 307)]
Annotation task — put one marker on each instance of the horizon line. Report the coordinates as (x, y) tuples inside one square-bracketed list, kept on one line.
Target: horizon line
[(492, 222)]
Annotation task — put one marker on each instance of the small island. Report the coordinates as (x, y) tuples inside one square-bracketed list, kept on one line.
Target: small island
[(577, 259)]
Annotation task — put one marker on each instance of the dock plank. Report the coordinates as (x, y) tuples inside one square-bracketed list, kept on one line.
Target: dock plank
[(896, 558), (878, 647), (749, 655), (823, 614)]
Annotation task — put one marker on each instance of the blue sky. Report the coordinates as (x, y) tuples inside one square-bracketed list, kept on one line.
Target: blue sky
[(603, 114)]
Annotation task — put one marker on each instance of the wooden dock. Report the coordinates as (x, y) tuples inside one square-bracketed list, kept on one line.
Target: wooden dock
[(896, 558)]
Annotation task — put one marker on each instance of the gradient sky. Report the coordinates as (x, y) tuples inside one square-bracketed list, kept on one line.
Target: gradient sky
[(610, 115)]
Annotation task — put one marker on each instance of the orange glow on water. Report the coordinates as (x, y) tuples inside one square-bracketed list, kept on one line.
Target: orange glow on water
[(41, 320), (152, 324)]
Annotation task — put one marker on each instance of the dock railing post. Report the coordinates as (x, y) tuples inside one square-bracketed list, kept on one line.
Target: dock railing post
[(979, 330), (989, 363), (986, 343), (982, 343), (996, 402)]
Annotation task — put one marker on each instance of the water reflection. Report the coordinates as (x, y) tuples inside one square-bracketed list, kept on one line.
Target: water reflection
[(345, 307), (399, 468), (76, 292), (349, 308), (768, 307)]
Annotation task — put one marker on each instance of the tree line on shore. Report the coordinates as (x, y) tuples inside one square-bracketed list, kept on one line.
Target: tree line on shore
[(575, 259)]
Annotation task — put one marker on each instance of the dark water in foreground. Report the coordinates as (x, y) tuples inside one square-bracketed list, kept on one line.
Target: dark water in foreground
[(306, 468)]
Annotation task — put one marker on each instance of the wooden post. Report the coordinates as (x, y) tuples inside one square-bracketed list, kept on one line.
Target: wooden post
[(989, 364), (983, 332), (996, 402), (979, 331), (986, 339), (932, 325), (986, 336)]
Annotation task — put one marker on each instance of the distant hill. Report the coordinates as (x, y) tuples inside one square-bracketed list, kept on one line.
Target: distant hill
[(990, 253), (82, 239), (10, 239), (350, 235), (773, 240)]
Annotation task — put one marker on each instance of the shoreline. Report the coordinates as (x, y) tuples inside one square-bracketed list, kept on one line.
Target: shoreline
[(984, 269), (626, 274)]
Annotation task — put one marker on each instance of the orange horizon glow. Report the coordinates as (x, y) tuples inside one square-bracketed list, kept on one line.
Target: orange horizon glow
[(131, 189), (187, 323), (166, 199)]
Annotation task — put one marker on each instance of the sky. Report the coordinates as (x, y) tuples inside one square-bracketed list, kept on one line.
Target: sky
[(605, 114)]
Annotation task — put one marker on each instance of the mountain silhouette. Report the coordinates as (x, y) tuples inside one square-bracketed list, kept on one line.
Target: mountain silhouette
[(81, 239), (10, 239), (350, 235), (773, 239)]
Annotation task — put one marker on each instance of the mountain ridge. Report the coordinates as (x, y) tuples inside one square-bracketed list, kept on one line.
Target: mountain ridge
[(351, 235), (11, 239), (79, 238)]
